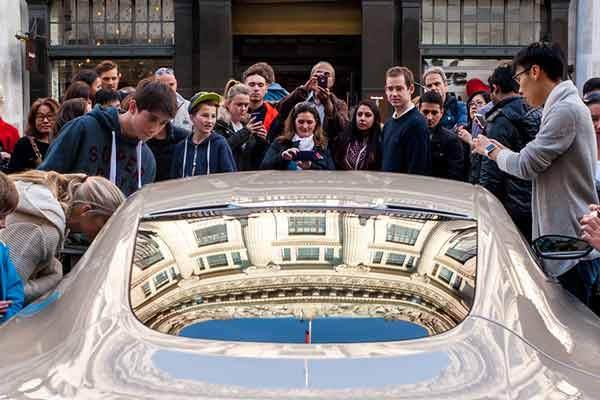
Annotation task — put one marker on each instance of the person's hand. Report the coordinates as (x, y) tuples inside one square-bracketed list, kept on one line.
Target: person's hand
[(261, 133), (254, 126), (311, 84), (482, 141), (4, 155), (590, 227), (290, 154), (4, 305), (465, 136), (324, 96), (304, 164)]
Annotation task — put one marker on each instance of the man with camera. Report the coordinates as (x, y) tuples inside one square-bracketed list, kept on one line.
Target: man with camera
[(514, 124), (333, 112)]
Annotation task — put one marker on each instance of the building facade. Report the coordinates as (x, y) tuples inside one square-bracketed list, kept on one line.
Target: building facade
[(210, 41)]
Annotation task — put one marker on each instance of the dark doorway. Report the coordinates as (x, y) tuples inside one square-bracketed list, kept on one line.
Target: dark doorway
[(293, 57)]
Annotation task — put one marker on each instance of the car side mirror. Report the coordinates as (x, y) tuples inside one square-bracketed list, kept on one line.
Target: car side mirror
[(559, 247)]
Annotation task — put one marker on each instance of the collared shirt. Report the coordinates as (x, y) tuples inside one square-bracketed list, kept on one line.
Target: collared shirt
[(320, 107), (410, 107)]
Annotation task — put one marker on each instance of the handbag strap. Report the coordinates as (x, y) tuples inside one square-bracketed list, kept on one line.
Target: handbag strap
[(36, 150)]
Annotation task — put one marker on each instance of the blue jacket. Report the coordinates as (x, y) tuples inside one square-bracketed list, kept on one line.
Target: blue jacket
[(85, 144), (275, 92), (191, 159), (11, 286), (455, 113)]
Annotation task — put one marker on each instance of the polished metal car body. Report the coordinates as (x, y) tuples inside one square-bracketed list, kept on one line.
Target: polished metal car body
[(521, 336)]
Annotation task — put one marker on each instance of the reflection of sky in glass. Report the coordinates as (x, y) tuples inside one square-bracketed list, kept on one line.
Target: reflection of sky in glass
[(290, 373), (291, 330)]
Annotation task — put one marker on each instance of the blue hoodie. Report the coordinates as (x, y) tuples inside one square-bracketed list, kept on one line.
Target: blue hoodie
[(11, 286), (275, 92), (211, 156), (94, 144)]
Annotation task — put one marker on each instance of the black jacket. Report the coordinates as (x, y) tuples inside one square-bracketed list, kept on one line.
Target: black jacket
[(163, 150), (514, 124), (447, 154), (248, 149), (273, 159)]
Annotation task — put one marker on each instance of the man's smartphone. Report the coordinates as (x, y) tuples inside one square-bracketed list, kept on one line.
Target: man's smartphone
[(322, 81), (305, 156), (480, 118)]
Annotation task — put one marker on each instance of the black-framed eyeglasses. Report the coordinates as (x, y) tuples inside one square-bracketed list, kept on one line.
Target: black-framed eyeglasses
[(517, 77)]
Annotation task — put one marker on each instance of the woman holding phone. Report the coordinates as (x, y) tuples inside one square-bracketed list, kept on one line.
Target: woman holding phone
[(302, 146)]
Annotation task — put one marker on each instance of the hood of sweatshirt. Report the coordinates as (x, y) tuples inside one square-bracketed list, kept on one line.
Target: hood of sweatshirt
[(109, 120), (38, 201), (561, 92), (275, 92), (201, 150)]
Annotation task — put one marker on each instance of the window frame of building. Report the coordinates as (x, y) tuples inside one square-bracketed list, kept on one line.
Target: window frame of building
[(310, 254), (307, 225), (236, 258), (200, 263), (458, 253), (286, 254), (329, 254), (210, 235), (220, 260), (147, 251), (147, 289), (396, 233), (377, 257), (162, 282), (395, 259), (445, 275)]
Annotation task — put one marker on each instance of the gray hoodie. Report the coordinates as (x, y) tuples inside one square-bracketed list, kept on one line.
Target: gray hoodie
[(561, 162), (34, 235)]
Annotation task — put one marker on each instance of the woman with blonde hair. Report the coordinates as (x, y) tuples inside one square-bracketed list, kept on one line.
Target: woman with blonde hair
[(50, 204)]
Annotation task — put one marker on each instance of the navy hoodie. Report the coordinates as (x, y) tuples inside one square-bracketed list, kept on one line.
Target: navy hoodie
[(94, 145), (192, 159)]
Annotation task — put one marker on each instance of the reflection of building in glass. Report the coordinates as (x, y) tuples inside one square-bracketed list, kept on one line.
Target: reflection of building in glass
[(287, 262)]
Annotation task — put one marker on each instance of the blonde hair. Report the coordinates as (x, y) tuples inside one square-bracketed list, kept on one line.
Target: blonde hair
[(70, 189), (9, 196)]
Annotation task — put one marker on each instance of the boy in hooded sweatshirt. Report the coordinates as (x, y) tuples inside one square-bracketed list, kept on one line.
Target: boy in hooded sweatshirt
[(12, 296), (106, 143), (203, 152)]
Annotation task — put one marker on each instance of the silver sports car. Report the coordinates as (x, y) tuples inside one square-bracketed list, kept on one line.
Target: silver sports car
[(311, 285)]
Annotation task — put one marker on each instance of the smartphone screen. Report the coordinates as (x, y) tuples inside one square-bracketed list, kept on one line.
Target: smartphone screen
[(258, 116), (322, 81), (481, 120)]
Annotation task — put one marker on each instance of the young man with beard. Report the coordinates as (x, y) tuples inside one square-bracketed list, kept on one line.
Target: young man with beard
[(406, 144), (560, 160), (447, 153), (106, 143)]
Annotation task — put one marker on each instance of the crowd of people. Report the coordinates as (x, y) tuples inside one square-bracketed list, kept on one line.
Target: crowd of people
[(526, 136)]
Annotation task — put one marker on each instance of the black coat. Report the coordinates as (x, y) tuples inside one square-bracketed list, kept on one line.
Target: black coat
[(514, 124), (248, 149), (447, 154), (163, 150), (273, 159)]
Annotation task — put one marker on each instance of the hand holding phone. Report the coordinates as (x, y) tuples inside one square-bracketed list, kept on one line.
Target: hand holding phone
[(322, 81), (305, 156), (480, 120)]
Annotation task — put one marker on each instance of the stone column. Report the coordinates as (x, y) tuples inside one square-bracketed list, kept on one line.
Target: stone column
[(259, 233), (14, 84), (587, 61)]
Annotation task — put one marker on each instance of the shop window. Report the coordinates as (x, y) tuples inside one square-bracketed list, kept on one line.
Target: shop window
[(112, 22), (481, 22)]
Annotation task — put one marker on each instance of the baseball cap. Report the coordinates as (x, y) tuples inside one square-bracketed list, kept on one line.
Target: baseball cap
[(202, 97), (592, 98)]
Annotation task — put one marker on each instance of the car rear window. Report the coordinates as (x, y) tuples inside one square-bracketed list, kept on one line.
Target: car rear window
[(304, 274)]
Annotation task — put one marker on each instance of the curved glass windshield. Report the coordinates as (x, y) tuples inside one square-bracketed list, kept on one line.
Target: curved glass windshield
[(304, 274)]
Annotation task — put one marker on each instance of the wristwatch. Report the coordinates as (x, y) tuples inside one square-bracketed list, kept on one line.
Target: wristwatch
[(489, 148)]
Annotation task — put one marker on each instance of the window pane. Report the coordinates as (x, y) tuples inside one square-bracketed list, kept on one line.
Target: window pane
[(469, 11), (395, 259), (211, 235), (83, 33), (497, 10), (436, 267), (440, 10), (329, 254), (427, 10), (457, 282), (161, 279), (526, 33), (168, 11), (526, 11), (483, 33), (401, 234), (377, 257), (512, 33), (236, 258), (125, 32), (98, 33), (286, 254), (155, 34), (512, 10), (200, 263), (308, 254), (112, 10), (497, 34), (306, 226), (454, 33), (155, 11), (141, 33), (83, 10), (439, 33), (141, 11), (445, 275), (146, 289), (410, 263), (126, 13), (483, 11), (427, 33), (453, 10), (470, 33), (112, 33), (169, 33), (98, 11), (217, 260)]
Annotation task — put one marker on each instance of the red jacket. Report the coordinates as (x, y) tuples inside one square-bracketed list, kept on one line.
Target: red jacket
[(8, 136), (270, 116)]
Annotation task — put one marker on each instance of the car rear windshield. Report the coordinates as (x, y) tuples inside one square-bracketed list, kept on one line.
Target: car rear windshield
[(304, 274)]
